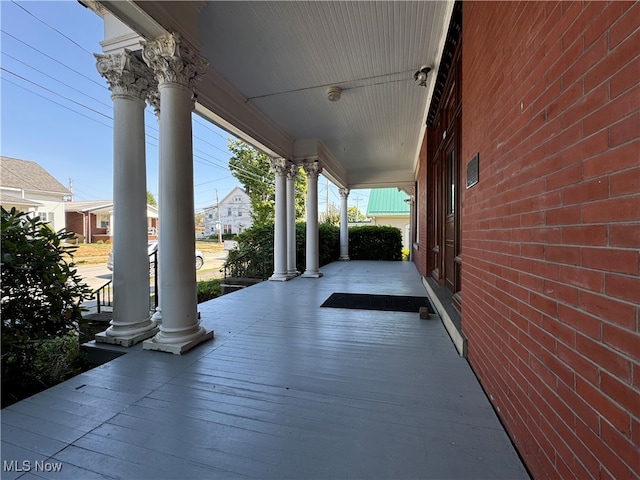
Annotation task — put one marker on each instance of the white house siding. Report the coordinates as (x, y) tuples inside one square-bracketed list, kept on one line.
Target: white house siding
[(52, 206), (235, 214)]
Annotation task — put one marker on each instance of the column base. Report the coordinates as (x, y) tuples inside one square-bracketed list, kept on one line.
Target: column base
[(293, 274), (279, 277), (157, 316), (177, 348), (344, 258), (316, 274), (125, 340)]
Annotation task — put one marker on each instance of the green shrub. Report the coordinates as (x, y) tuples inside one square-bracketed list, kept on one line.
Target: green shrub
[(41, 293), (208, 289), (329, 243), (254, 256), (374, 242)]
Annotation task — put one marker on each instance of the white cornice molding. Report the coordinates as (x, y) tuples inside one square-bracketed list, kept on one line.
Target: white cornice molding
[(135, 17), (402, 179), (313, 149)]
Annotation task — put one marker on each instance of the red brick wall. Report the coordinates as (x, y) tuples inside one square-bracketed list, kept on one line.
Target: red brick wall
[(73, 222), (420, 255), (551, 233)]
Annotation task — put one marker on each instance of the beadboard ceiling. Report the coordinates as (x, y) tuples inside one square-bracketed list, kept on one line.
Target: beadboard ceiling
[(271, 63)]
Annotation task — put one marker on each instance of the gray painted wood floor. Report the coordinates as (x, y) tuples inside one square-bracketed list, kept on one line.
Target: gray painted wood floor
[(286, 390)]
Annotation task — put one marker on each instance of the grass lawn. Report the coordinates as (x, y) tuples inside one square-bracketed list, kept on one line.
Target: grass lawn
[(97, 253)]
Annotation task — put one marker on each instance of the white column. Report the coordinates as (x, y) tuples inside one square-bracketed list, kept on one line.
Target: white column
[(292, 173), (312, 269), (412, 224), (344, 225), (176, 67), (280, 166), (128, 81)]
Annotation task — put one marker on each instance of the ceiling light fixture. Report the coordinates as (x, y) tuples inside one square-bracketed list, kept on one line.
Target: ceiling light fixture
[(334, 93), (421, 76)]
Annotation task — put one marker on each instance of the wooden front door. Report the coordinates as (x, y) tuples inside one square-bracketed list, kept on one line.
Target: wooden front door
[(450, 228)]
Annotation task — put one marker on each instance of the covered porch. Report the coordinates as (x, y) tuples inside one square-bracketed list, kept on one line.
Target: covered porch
[(287, 389)]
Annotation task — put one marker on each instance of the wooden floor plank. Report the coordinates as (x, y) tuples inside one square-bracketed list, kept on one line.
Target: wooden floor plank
[(286, 390)]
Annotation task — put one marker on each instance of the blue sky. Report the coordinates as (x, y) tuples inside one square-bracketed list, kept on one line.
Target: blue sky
[(57, 109)]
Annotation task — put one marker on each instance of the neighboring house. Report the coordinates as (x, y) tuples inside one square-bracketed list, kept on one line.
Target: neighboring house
[(28, 187), (235, 214), (94, 220), (390, 207)]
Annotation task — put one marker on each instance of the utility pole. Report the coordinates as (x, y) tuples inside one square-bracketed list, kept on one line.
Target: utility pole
[(327, 209), (219, 219), (71, 189)]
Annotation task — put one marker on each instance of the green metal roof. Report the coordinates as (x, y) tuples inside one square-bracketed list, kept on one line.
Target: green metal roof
[(387, 201)]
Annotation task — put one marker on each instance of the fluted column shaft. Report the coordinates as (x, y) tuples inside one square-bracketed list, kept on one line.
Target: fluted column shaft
[(344, 225), (312, 269), (280, 166), (176, 67), (129, 81)]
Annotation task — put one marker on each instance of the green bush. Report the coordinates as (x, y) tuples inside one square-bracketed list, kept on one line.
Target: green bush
[(254, 256), (208, 289), (374, 242), (41, 293)]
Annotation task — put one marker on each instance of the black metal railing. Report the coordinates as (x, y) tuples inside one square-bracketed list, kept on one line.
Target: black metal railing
[(154, 296), (250, 263), (104, 296)]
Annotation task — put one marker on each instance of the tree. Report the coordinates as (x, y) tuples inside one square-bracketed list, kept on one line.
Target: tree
[(199, 220), (355, 215), (151, 200), (253, 170), (41, 293)]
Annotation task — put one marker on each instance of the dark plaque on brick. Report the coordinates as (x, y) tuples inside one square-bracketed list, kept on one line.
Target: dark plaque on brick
[(473, 170)]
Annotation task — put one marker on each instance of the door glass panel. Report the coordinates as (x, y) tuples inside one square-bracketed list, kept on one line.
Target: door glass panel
[(451, 169)]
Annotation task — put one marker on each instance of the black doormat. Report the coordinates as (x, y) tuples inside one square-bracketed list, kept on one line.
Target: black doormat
[(387, 303)]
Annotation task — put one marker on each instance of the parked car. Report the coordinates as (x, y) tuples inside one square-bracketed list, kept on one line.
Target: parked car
[(152, 248)]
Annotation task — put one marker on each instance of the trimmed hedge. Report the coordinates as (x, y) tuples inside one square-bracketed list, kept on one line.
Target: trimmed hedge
[(374, 242), (254, 256)]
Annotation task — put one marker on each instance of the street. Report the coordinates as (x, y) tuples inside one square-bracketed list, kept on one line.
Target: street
[(97, 275)]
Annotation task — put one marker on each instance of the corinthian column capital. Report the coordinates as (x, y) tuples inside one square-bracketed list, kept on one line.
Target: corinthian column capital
[(292, 171), (313, 170), (280, 166), (344, 192), (126, 74), (174, 61)]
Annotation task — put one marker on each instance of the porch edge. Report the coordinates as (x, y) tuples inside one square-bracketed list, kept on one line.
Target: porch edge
[(457, 337)]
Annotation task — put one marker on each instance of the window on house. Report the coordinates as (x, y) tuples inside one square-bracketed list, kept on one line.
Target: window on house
[(228, 229), (44, 216), (229, 212), (104, 224), (239, 212)]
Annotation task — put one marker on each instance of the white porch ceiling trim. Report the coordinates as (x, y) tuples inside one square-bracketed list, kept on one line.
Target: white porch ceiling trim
[(271, 62)]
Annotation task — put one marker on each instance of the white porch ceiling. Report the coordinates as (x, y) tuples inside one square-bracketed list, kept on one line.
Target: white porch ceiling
[(270, 64)]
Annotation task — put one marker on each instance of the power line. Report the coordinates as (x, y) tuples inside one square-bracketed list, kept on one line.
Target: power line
[(51, 58), (59, 104), (55, 79), (52, 28), (55, 93)]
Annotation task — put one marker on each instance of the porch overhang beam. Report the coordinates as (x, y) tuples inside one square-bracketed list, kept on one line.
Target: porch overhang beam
[(313, 149)]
